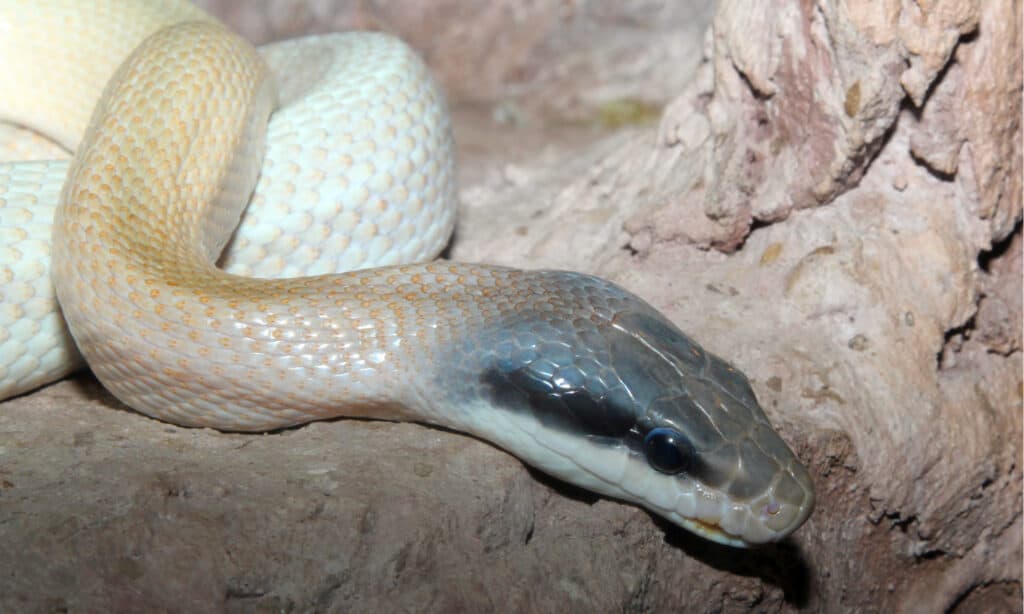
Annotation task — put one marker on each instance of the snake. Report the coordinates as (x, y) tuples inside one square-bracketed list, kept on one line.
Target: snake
[(569, 372)]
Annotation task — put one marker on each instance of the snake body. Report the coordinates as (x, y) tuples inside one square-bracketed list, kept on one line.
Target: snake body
[(301, 220), (569, 372)]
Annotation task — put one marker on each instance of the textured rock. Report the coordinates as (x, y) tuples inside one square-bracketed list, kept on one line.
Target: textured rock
[(831, 199), (487, 51)]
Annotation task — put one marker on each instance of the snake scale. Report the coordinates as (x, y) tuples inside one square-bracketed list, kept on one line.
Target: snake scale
[(569, 372)]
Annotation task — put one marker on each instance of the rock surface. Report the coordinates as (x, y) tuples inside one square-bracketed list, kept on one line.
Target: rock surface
[(831, 199)]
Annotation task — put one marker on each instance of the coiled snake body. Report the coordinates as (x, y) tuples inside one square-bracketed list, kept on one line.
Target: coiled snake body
[(569, 372)]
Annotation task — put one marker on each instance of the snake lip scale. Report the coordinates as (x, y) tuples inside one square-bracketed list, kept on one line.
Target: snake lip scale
[(569, 372)]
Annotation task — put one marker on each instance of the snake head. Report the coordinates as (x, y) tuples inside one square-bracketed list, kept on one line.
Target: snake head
[(615, 398)]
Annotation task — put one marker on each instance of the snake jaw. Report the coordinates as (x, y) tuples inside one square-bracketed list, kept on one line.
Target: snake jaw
[(749, 524), (620, 472), (715, 516)]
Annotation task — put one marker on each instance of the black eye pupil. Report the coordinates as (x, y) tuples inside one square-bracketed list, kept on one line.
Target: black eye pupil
[(667, 450)]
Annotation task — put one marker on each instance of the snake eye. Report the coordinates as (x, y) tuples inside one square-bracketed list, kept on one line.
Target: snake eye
[(667, 450)]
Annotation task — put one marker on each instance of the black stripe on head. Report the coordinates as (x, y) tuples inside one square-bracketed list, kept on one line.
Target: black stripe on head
[(562, 400)]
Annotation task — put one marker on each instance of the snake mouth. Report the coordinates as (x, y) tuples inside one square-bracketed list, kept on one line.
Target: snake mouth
[(714, 532), (738, 525)]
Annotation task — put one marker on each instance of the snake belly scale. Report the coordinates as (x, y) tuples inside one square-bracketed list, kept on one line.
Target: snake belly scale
[(569, 372)]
